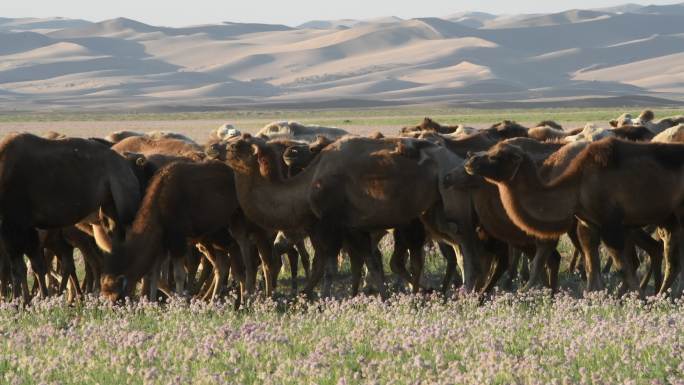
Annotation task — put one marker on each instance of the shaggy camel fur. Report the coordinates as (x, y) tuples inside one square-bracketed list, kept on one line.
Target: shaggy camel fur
[(586, 189)]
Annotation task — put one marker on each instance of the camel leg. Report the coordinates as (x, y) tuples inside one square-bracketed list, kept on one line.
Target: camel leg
[(327, 243), (192, 262), (293, 259), (654, 249), (415, 236), (539, 262), (398, 259), (38, 263), (203, 280), (589, 242), (269, 264), (220, 274), (356, 267), (680, 253), (14, 241), (360, 245), (552, 269), (497, 269), (514, 255), (304, 255), (621, 248), (524, 267), (608, 266), (450, 259), (467, 252), (153, 282)]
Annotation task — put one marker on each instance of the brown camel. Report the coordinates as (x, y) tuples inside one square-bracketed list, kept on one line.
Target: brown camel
[(647, 120), (298, 131), (494, 220), (353, 187), (429, 125), (586, 189), (56, 183), (116, 137), (173, 211)]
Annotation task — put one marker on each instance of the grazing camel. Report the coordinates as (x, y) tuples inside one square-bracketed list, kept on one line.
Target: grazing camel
[(586, 189), (50, 184), (184, 201)]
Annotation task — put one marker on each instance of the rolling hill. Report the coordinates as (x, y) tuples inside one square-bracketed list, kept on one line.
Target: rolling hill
[(617, 54)]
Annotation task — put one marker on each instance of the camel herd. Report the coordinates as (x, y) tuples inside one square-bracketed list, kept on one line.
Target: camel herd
[(180, 218)]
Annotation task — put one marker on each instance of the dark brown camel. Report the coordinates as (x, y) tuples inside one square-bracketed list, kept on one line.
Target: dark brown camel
[(56, 183), (184, 202), (586, 189)]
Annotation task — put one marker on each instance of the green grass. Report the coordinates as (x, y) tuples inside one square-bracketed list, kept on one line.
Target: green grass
[(366, 116)]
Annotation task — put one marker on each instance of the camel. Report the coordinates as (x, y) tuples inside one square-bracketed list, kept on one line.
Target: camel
[(586, 189), (429, 125), (172, 212), (494, 220), (591, 133), (146, 156), (298, 131), (50, 184), (410, 238), (353, 187), (116, 137), (673, 134), (548, 130), (147, 145), (646, 119)]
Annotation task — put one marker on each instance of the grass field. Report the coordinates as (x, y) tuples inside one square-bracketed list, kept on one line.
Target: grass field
[(528, 338), (362, 121)]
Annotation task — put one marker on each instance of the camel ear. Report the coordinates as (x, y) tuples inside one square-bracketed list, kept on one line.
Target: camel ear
[(613, 123)]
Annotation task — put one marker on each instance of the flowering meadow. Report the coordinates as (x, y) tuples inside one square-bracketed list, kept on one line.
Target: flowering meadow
[(529, 338)]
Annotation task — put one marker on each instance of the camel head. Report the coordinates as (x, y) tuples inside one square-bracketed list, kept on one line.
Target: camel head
[(250, 155), (426, 125), (299, 156), (644, 117), (114, 288), (623, 120), (500, 163), (116, 282)]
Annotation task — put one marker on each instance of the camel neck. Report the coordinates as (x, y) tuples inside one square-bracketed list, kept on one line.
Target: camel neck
[(141, 248), (276, 203), (540, 209)]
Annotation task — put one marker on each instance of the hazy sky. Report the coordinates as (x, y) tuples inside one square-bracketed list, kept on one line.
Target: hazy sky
[(290, 12)]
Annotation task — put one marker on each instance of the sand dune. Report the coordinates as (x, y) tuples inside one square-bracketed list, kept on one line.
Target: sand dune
[(608, 55)]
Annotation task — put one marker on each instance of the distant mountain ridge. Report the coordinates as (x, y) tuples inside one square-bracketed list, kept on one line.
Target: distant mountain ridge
[(630, 52)]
